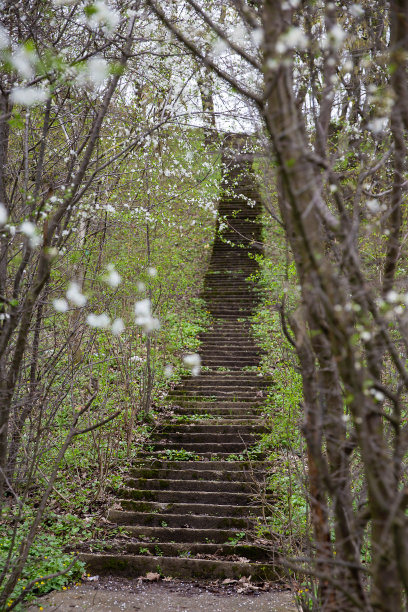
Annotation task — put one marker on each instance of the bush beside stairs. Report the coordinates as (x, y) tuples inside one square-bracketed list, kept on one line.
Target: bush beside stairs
[(193, 518)]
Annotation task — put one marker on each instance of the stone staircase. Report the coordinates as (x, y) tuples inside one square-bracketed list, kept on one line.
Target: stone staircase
[(189, 505)]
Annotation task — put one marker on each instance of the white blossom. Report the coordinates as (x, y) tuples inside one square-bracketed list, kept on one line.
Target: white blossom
[(94, 73), (99, 321), (3, 214), (356, 10), (152, 271), (64, 2), (365, 335), (4, 38), (103, 16), (373, 206), (75, 296), (348, 66), (141, 287), (118, 327), (113, 278), (378, 395), (294, 38), (238, 34), (29, 96), (60, 305), (144, 317), (392, 297), (24, 61), (220, 47), (378, 124), (193, 361), (168, 371), (29, 229), (290, 4), (337, 36)]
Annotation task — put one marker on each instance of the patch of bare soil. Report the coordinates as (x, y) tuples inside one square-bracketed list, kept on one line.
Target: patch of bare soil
[(150, 594)]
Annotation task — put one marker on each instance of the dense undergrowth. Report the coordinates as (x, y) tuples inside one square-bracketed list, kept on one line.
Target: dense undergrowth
[(286, 524), (157, 240)]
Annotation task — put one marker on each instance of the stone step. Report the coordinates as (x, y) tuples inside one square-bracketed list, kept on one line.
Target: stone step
[(190, 549), (225, 475), (218, 392), (223, 412), (196, 521), (134, 566), (166, 483), (253, 422), (188, 509), (231, 466), (210, 429), (229, 376), (217, 380), (220, 401), (180, 534), (189, 438), (204, 447)]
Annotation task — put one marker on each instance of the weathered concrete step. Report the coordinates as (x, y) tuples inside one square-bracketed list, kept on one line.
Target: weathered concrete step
[(235, 257), (224, 340), (233, 260), (226, 350), (230, 330), (224, 413), (202, 402), (216, 380), (195, 475), (229, 377), (210, 428), (232, 295), (134, 565), (188, 509), (234, 364), (228, 278), (219, 402), (223, 311), (237, 333), (191, 437), (166, 483), (239, 360), (229, 393), (187, 498), (203, 447), (190, 549), (201, 456), (196, 521), (221, 346), (213, 466), (254, 422), (231, 302), (180, 534), (239, 336), (222, 386)]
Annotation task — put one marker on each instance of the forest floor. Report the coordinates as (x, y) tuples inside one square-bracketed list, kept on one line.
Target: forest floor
[(111, 594)]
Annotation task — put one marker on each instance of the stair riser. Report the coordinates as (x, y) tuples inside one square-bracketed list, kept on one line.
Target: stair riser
[(134, 566), (222, 486), (188, 509), (177, 520)]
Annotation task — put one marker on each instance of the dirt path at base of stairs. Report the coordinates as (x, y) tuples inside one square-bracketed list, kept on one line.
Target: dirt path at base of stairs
[(111, 595)]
